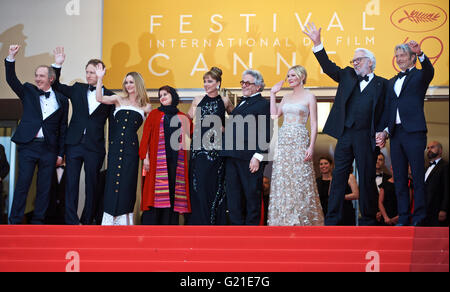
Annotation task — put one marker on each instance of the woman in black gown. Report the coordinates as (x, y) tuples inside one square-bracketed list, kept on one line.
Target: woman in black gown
[(207, 168), (351, 191), (123, 156), (387, 202)]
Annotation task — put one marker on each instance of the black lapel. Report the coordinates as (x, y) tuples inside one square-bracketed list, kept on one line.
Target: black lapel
[(85, 102), (408, 78), (378, 85), (247, 103), (435, 169), (37, 102)]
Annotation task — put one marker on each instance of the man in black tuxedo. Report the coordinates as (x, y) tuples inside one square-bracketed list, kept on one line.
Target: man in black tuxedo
[(39, 136), (4, 170), (436, 186), (354, 120), (407, 129), (85, 141), (244, 151)]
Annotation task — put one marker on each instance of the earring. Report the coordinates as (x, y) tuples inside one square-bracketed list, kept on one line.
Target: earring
[(218, 87)]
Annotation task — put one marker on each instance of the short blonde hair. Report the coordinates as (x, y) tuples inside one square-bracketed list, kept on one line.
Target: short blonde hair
[(300, 71), (141, 90)]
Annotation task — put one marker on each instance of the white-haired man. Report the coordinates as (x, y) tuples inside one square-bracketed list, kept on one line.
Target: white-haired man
[(354, 120), (247, 136)]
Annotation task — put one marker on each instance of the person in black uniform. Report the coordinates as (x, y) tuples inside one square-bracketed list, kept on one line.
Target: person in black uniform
[(132, 106)]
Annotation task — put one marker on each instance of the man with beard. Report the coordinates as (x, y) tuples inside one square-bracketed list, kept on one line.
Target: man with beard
[(436, 186), (354, 120)]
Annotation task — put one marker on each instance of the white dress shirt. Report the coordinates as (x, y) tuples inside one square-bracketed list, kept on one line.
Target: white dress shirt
[(48, 107), (92, 101)]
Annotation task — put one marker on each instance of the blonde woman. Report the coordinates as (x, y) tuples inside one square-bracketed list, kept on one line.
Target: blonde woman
[(132, 106), (294, 199)]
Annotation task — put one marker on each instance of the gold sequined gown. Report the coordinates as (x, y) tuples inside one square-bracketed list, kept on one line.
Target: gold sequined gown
[(294, 199)]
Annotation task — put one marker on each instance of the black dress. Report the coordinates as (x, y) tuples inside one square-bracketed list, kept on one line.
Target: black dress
[(348, 212), (207, 168), (123, 162), (323, 188)]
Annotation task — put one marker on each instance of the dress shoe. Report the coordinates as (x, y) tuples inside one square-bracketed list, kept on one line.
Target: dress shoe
[(418, 224)]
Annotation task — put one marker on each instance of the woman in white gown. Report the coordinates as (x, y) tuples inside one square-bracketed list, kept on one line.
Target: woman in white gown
[(294, 200)]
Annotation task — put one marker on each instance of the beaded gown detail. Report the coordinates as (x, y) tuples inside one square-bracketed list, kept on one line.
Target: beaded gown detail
[(207, 169), (294, 199)]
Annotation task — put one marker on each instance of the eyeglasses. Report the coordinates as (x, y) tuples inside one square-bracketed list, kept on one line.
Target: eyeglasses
[(357, 60), (246, 83)]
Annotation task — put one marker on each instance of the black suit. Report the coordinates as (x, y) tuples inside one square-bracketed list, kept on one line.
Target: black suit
[(243, 188), (33, 152), (4, 170), (85, 143), (354, 120), (437, 193), (408, 139)]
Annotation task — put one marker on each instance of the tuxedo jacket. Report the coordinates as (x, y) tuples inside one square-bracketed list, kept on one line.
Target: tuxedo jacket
[(348, 80), (54, 127), (437, 189), (410, 103), (245, 139), (94, 124), (4, 166)]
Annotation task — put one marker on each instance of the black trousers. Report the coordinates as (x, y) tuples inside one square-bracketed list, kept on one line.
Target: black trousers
[(243, 191), (76, 155), (31, 155), (353, 144), (407, 149)]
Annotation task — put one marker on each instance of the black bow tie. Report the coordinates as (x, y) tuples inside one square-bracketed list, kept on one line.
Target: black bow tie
[(47, 94), (92, 88), (366, 78), (379, 175), (401, 74), (432, 163), (244, 99), (61, 166)]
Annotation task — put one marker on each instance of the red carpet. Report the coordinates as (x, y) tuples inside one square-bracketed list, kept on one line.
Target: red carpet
[(223, 249)]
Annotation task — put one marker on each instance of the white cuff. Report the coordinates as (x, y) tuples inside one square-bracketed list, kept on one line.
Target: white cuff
[(258, 156), (56, 66), (318, 48), (422, 58), (10, 60)]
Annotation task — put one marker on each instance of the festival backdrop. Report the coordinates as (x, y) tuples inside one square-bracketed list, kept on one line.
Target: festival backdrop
[(175, 42)]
